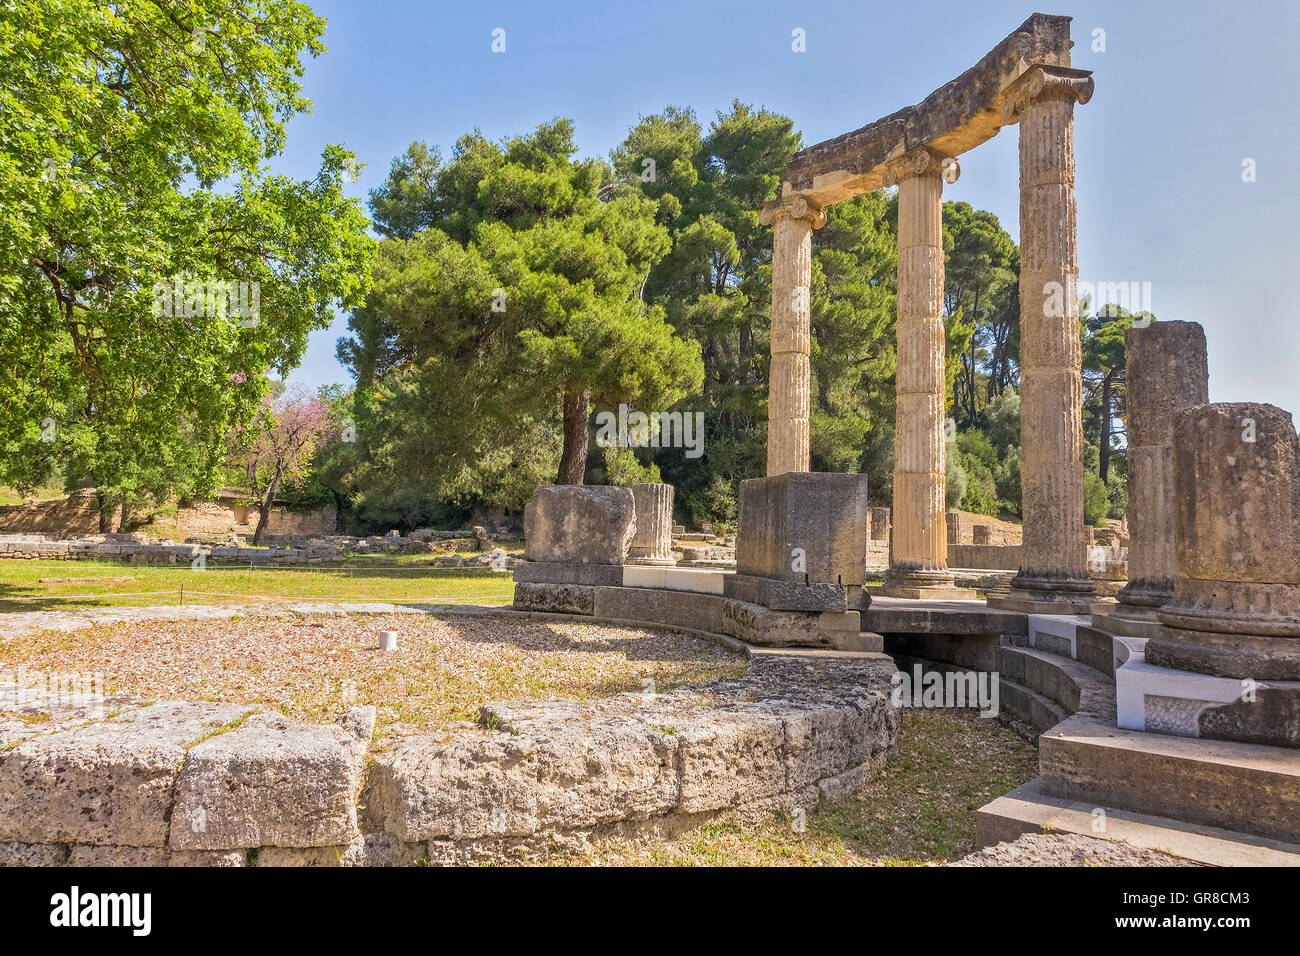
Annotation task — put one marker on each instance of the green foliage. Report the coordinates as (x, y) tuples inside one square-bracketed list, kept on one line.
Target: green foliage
[(623, 468), (522, 287), (715, 503), (1095, 500), (134, 140), (954, 477)]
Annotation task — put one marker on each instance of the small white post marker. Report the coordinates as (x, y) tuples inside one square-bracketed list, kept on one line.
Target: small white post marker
[(388, 640)]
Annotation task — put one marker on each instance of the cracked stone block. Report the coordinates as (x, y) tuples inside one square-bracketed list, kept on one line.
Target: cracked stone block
[(108, 783), (271, 781)]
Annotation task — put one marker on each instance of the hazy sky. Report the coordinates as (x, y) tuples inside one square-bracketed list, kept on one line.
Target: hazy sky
[(1184, 93)]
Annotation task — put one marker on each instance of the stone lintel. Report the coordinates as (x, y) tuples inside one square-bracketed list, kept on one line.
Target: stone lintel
[(955, 118)]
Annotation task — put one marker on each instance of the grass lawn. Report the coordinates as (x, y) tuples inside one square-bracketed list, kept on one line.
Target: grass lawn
[(919, 810), (21, 590)]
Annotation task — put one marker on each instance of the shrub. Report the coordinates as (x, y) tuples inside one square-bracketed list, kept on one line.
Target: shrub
[(1095, 501)]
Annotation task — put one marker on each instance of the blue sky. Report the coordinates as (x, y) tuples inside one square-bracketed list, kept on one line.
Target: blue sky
[(1184, 93)]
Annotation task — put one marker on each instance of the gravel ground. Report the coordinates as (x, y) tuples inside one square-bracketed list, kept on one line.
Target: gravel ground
[(1067, 849), (313, 667)]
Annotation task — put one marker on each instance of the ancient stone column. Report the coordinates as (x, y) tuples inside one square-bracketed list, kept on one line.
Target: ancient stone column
[(1235, 611), (1166, 373), (788, 380), (652, 543), (1053, 574), (918, 562)]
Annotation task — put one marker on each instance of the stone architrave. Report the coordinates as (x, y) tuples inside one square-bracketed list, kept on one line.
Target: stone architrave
[(1235, 611), (1053, 575), (653, 541), (918, 563), (1166, 372), (789, 377)]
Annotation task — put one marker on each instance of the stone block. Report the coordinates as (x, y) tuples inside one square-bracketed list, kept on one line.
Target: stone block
[(555, 598), (701, 612), (756, 624), (804, 527), (270, 781), (107, 783), (579, 524), (787, 595), (555, 572)]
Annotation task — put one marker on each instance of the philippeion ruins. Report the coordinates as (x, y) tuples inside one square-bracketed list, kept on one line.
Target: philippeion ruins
[(1157, 667)]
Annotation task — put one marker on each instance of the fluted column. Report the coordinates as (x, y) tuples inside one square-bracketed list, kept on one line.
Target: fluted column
[(652, 542), (918, 561), (792, 224), (1166, 372), (1235, 611), (1054, 558)]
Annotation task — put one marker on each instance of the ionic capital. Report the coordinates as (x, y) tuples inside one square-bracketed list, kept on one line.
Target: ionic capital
[(792, 207), (1041, 82), (921, 161)]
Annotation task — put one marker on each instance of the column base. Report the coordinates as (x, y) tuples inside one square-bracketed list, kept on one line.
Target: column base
[(1241, 656), (933, 592), (1126, 620), (1042, 602), (653, 562), (924, 585)]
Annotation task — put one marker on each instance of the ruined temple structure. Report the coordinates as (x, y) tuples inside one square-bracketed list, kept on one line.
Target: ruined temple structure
[(1025, 79)]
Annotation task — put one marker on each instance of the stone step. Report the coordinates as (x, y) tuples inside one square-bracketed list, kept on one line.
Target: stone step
[(1074, 686), (1033, 708), (1236, 786), (1028, 810)]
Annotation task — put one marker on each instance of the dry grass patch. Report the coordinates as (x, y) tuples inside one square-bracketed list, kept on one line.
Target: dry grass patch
[(314, 668)]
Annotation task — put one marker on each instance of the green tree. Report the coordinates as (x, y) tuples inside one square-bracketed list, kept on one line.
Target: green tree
[(521, 298), (151, 270)]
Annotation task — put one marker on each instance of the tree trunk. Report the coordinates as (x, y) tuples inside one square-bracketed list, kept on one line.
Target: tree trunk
[(105, 513), (573, 462), (264, 518), (1104, 461)]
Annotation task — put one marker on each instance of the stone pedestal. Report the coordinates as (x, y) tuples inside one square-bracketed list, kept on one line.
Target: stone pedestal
[(652, 542), (918, 562), (802, 543), (1166, 373), (1235, 611), (1053, 577), (788, 377)]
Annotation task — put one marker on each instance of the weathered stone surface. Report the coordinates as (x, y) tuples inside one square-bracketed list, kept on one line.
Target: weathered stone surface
[(1055, 565), (653, 541), (1236, 605), (919, 550), (955, 118), (560, 767), (579, 524), (33, 854), (789, 374), (756, 624), (107, 783), (1167, 372), (374, 849), (809, 528), (271, 781), (209, 858), (555, 598), (553, 572), (701, 612), (118, 856), (788, 595)]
